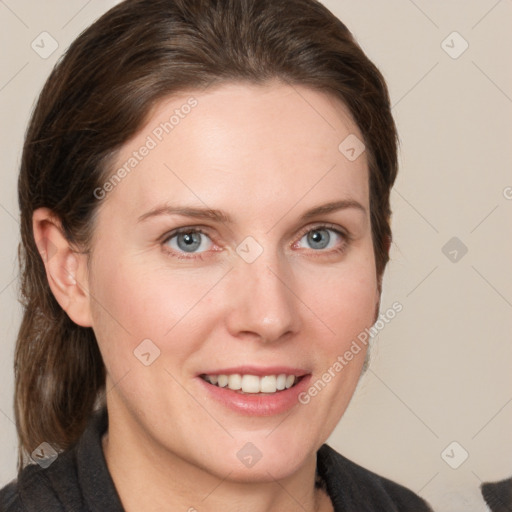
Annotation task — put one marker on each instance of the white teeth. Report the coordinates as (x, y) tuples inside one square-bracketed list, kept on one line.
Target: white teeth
[(281, 382), (268, 384), (235, 382), (223, 381), (253, 383), (289, 381), (250, 384)]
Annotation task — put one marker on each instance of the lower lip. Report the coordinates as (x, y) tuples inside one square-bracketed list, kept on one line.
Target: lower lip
[(257, 404)]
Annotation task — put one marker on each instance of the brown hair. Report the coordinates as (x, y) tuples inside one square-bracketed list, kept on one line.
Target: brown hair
[(99, 95)]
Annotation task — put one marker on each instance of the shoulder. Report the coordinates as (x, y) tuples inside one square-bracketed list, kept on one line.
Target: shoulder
[(498, 495), (77, 480), (352, 487), (9, 499), (38, 489)]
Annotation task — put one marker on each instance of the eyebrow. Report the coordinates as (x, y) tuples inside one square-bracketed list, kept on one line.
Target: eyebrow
[(222, 217)]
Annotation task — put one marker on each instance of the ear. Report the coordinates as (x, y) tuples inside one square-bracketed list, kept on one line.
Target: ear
[(66, 268)]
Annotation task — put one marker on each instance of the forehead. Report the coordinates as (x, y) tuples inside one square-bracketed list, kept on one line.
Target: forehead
[(240, 144)]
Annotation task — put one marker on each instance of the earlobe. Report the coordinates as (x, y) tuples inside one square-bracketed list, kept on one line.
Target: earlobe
[(66, 268)]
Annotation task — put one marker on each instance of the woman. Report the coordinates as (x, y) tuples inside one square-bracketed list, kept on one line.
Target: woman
[(204, 196)]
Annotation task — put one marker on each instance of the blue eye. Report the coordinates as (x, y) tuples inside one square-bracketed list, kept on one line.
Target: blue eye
[(191, 241), (321, 238)]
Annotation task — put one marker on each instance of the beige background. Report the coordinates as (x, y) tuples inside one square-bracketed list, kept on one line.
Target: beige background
[(440, 370)]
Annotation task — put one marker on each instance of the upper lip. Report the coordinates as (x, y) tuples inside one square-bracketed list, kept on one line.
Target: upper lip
[(259, 371)]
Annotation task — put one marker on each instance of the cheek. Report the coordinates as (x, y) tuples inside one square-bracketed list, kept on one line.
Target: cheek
[(344, 299), (125, 305), (136, 300)]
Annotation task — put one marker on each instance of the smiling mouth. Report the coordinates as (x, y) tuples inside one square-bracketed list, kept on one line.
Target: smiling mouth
[(253, 384)]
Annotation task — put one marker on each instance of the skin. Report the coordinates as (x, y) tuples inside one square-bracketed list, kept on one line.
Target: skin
[(264, 155)]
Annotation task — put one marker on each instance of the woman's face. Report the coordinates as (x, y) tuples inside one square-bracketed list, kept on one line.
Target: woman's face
[(272, 273)]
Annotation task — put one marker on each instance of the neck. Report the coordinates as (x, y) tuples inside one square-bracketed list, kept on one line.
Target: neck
[(149, 478)]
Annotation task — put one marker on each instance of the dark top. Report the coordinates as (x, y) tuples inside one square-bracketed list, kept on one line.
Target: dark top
[(79, 481), (498, 495)]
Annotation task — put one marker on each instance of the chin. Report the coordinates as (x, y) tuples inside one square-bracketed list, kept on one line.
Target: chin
[(260, 457)]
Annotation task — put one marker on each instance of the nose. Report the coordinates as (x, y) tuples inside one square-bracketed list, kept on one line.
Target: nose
[(262, 304)]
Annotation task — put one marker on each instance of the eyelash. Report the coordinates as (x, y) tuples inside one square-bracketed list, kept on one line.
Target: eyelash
[(346, 239)]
